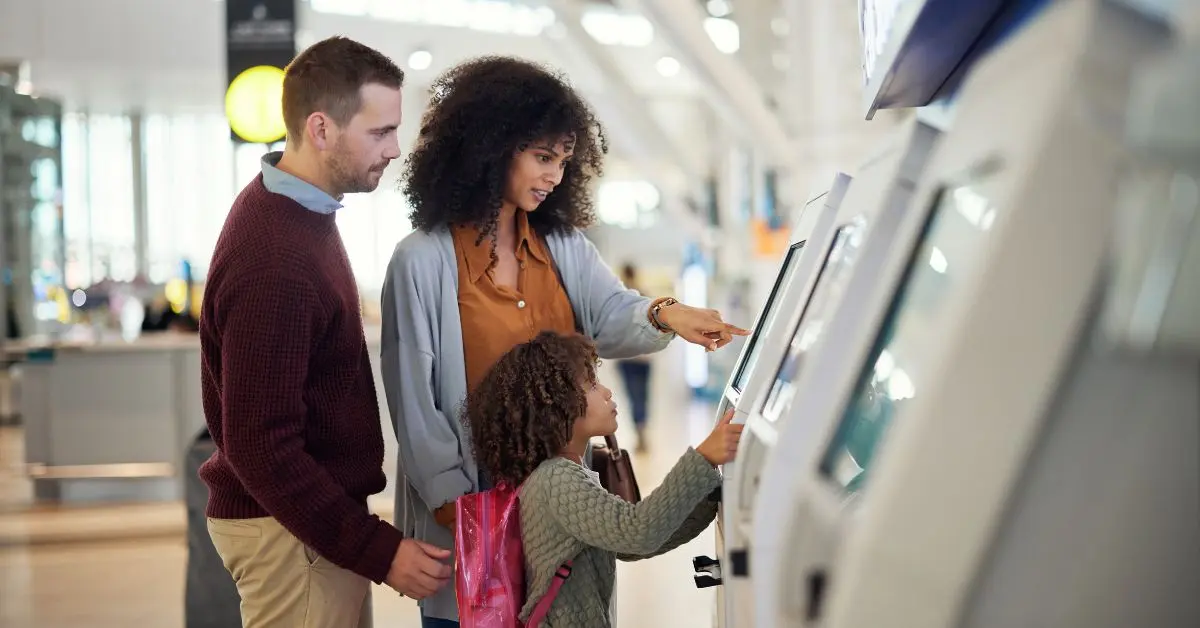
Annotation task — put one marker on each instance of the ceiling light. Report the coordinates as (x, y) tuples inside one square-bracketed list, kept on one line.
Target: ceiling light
[(719, 8), (420, 60), (723, 33), (613, 29), (668, 66)]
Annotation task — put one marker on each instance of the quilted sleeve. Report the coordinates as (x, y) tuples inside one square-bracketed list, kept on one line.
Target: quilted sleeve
[(702, 515), (595, 517)]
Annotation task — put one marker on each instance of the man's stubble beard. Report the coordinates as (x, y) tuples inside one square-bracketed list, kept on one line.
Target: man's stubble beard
[(343, 172)]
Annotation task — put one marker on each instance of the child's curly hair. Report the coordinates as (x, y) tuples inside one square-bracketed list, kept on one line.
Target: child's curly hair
[(480, 113), (523, 412)]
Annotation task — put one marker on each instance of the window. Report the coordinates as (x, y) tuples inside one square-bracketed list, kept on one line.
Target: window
[(98, 212), (189, 187), (76, 212), (193, 171), (371, 225)]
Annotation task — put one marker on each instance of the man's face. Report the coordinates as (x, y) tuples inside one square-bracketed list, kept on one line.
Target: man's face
[(363, 148)]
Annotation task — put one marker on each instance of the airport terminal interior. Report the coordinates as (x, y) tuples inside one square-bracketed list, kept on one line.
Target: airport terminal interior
[(964, 236)]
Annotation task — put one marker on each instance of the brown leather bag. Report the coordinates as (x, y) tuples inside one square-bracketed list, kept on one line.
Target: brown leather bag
[(616, 470)]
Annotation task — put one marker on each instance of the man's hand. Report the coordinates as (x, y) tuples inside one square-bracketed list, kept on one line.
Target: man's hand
[(446, 515), (699, 326), (417, 569)]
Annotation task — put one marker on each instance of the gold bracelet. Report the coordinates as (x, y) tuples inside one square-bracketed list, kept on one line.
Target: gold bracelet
[(654, 312)]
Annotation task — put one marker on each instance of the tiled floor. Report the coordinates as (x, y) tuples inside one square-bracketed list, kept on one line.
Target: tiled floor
[(54, 573)]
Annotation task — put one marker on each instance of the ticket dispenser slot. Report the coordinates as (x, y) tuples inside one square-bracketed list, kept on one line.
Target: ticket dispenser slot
[(707, 572), (815, 594)]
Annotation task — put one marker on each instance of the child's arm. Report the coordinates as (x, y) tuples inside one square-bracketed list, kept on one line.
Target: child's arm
[(597, 518), (702, 515)]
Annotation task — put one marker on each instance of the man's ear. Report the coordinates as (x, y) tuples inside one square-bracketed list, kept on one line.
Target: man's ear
[(318, 129)]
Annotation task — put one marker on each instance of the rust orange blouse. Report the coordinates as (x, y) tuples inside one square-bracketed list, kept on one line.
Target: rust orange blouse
[(497, 318)]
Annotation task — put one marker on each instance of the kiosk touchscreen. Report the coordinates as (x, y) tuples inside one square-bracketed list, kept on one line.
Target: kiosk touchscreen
[(813, 225), (788, 291), (940, 420), (875, 203)]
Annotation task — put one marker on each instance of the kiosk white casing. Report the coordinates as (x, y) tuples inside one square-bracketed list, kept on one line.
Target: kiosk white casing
[(876, 201), (790, 290), (972, 333)]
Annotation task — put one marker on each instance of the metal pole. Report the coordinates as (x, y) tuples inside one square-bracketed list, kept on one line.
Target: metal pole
[(5, 216), (141, 216)]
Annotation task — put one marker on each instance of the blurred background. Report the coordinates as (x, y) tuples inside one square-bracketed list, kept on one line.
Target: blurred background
[(118, 167)]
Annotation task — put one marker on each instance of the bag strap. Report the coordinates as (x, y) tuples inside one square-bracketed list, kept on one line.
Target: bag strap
[(543, 606)]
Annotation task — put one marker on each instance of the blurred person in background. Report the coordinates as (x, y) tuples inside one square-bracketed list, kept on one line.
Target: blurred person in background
[(500, 186), (289, 396), (635, 372)]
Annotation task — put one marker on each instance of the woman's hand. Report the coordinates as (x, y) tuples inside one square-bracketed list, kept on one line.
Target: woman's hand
[(699, 326), (721, 445)]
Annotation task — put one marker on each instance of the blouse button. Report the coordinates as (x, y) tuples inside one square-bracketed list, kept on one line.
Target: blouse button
[(521, 304)]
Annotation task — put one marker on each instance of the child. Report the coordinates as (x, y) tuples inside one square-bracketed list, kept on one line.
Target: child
[(531, 420)]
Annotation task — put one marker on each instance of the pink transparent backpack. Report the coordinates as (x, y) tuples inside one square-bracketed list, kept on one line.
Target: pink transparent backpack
[(489, 575)]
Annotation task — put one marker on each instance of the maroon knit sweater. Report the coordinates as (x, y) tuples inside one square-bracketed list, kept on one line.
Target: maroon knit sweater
[(288, 392)]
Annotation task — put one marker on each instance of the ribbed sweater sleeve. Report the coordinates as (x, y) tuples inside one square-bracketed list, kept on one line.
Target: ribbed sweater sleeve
[(271, 321)]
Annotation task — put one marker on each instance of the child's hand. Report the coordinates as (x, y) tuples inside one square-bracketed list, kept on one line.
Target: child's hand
[(721, 445)]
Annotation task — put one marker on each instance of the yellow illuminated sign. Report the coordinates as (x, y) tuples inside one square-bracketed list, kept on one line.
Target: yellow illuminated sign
[(254, 105), (176, 292)]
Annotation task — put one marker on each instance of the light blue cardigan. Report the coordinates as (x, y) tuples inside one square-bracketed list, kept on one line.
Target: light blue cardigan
[(425, 377)]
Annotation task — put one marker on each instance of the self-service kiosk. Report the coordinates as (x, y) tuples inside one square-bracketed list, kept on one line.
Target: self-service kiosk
[(814, 223), (875, 201), (789, 289), (968, 455)]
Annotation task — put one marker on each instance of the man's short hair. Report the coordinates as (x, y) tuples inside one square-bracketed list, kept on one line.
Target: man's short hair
[(328, 77)]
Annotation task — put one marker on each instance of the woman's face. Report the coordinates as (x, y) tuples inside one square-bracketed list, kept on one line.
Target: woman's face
[(600, 418), (536, 171)]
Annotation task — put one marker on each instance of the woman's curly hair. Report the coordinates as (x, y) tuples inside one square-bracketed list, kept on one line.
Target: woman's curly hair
[(524, 411), (480, 113)]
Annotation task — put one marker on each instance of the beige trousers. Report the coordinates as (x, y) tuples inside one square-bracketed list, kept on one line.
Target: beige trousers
[(283, 583)]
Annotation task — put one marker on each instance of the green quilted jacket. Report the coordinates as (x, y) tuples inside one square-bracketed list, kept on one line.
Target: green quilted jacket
[(567, 515)]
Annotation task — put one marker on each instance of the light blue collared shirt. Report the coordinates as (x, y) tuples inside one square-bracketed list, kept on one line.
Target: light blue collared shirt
[(306, 194)]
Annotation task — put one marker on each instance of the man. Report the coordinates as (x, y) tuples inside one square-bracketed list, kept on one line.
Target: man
[(288, 392)]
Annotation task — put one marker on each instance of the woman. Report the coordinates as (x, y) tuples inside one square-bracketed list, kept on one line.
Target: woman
[(499, 186)]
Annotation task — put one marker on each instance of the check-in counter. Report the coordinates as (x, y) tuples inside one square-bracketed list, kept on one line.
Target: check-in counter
[(111, 421)]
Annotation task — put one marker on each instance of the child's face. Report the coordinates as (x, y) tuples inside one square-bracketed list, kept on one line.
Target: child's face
[(600, 418)]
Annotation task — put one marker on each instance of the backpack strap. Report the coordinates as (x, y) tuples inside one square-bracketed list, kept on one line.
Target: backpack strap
[(543, 606)]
